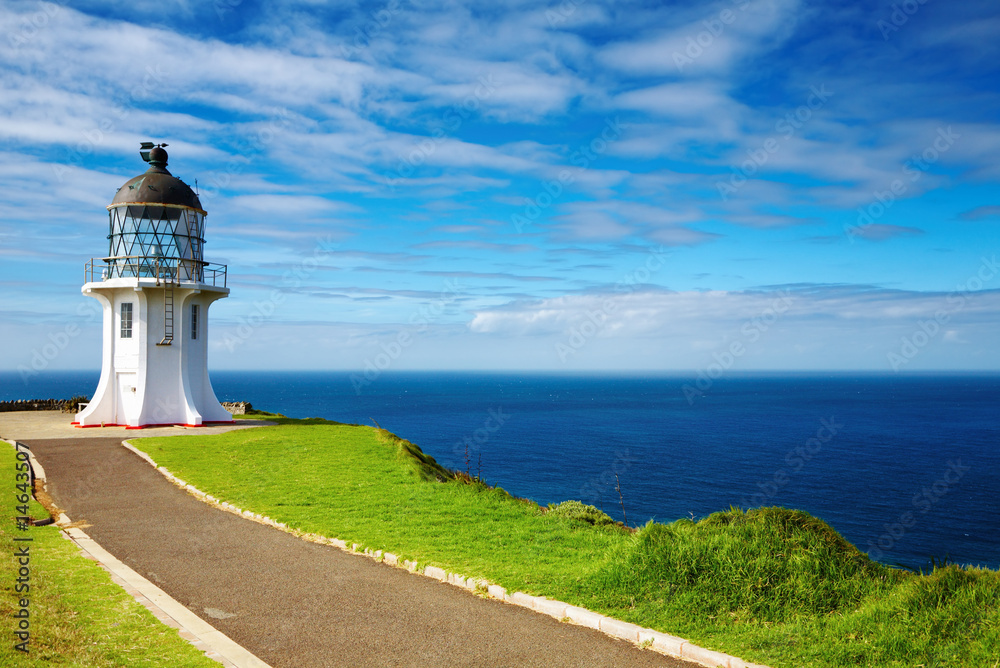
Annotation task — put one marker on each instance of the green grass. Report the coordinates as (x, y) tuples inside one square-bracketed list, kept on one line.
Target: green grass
[(771, 585), (78, 616), (350, 482)]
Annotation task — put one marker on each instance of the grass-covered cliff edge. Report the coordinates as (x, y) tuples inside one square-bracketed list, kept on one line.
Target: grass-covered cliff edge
[(771, 585)]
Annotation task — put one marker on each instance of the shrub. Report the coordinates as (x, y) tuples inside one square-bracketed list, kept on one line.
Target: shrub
[(575, 510)]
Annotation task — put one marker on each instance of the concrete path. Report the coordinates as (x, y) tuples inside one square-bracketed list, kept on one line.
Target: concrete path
[(295, 603), (25, 425)]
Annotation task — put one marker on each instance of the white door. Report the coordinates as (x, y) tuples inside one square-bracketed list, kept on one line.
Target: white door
[(126, 399)]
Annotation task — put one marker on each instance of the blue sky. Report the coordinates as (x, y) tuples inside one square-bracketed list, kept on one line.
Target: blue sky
[(583, 185)]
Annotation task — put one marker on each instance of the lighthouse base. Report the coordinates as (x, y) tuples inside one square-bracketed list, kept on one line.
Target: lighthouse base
[(154, 370)]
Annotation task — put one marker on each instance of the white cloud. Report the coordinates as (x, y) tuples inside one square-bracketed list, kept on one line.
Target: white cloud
[(793, 327), (665, 310), (708, 39), (678, 99)]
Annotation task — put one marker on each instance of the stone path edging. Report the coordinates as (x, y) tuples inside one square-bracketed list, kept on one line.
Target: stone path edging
[(205, 637), (645, 638)]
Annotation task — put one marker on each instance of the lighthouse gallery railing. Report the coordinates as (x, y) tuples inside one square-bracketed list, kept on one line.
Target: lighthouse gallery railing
[(171, 271)]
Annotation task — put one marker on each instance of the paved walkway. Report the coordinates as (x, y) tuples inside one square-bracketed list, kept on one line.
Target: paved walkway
[(291, 602), (24, 425)]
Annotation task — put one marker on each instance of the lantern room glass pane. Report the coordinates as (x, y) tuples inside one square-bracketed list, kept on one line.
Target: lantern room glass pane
[(156, 241)]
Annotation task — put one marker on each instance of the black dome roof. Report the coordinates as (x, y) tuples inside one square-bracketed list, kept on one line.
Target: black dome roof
[(157, 186)]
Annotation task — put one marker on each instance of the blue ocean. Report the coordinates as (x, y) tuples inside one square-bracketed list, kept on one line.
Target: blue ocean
[(905, 467)]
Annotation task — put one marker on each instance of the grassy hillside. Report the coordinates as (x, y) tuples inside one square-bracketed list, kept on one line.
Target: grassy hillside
[(771, 585)]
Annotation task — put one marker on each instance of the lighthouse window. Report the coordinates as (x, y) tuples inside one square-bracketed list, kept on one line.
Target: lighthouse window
[(194, 321), (127, 320)]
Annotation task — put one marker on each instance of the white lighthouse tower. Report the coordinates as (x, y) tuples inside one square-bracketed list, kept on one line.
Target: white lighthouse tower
[(155, 289)]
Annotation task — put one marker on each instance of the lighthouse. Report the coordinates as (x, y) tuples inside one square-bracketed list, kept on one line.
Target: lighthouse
[(155, 290)]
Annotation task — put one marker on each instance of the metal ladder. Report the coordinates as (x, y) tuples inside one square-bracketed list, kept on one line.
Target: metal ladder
[(168, 317)]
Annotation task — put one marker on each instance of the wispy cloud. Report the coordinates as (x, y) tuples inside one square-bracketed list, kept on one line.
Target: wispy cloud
[(981, 212)]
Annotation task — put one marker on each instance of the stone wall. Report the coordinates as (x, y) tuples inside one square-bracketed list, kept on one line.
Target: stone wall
[(64, 405), (71, 406)]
